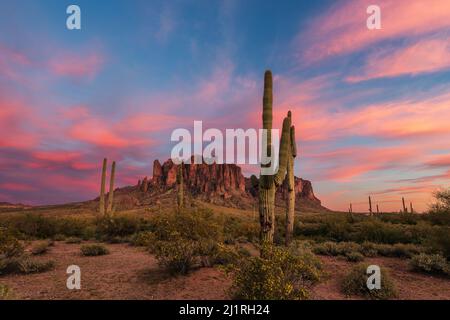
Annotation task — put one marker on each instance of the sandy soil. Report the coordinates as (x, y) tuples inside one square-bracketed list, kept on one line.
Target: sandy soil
[(131, 273)]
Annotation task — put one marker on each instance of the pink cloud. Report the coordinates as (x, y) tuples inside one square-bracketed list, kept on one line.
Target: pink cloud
[(342, 29), (14, 186), (421, 57), (346, 164), (98, 133), (14, 116), (77, 66)]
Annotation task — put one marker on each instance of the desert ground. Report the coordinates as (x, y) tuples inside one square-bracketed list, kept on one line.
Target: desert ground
[(132, 273)]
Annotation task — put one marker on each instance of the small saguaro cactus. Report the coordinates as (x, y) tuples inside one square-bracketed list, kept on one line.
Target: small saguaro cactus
[(102, 188), (290, 207), (411, 207), (269, 182), (405, 210), (180, 182), (111, 188), (378, 210), (350, 208), (370, 205)]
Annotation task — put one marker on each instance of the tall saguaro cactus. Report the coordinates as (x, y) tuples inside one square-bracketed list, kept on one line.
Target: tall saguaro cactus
[(102, 188), (290, 207), (370, 205), (405, 210), (269, 182), (111, 188), (411, 207), (180, 191)]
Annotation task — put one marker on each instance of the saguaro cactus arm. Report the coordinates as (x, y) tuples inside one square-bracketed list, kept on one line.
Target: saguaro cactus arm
[(293, 143), (285, 151), (102, 188), (111, 188)]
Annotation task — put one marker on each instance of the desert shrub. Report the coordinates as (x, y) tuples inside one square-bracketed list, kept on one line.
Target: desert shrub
[(10, 246), (36, 226), (24, 264), (355, 283), (40, 248), (118, 226), (59, 237), (439, 241), (31, 266), (32, 226), (143, 239), (430, 263), (369, 249), (279, 275), (93, 250), (327, 249), (5, 292), (336, 248), (354, 256), (228, 255), (237, 229), (189, 224), (183, 239), (176, 256), (73, 240), (399, 250)]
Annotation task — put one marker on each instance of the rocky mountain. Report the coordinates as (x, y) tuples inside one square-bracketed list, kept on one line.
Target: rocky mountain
[(222, 184)]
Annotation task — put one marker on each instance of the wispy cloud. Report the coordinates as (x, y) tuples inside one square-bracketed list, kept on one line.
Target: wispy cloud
[(342, 29)]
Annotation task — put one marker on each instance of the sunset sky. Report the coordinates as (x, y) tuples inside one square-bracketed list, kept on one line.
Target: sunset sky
[(371, 107)]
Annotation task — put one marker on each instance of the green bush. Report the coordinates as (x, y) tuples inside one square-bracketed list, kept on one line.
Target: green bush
[(355, 283), (439, 241), (143, 239), (9, 245), (176, 256), (431, 263), (228, 255), (189, 224), (278, 275), (93, 250), (118, 226)]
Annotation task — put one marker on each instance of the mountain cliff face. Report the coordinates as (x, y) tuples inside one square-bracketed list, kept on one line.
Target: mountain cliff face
[(222, 184)]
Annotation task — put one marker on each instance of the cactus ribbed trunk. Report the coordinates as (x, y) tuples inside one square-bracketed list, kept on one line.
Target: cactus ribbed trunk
[(267, 214), (102, 188), (111, 188), (290, 208), (180, 186), (268, 183)]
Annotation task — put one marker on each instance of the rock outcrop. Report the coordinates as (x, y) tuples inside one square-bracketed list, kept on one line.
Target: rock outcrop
[(221, 184)]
